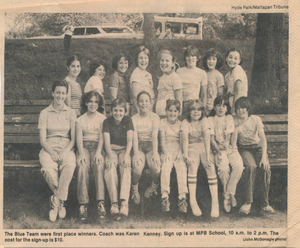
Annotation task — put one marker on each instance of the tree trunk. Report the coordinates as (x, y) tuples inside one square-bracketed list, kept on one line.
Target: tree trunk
[(267, 57), (149, 32)]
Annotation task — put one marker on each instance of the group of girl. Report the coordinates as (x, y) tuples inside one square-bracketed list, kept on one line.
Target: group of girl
[(117, 149)]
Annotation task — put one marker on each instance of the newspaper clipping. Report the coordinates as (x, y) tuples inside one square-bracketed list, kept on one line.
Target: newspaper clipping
[(150, 124)]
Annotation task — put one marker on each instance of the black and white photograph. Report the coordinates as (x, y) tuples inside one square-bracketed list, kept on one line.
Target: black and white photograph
[(129, 126)]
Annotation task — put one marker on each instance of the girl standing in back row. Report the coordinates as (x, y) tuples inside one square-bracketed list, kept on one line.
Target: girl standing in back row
[(73, 99), (141, 79), (169, 84), (194, 79), (236, 81), (212, 61)]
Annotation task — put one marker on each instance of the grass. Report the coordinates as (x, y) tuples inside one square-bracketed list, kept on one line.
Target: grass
[(32, 65)]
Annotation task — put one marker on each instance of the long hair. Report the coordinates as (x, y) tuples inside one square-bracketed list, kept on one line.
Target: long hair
[(243, 102), (171, 102), (94, 65), (116, 59), (191, 51), (73, 58), (235, 50), (191, 106), (87, 97), (221, 99), (212, 53)]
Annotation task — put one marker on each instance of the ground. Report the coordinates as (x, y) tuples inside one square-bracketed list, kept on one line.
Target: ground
[(26, 207)]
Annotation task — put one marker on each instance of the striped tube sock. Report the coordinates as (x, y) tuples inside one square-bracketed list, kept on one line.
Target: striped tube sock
[(192, 183), (213, 187)]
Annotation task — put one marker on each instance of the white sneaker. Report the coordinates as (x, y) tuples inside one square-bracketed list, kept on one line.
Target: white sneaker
[(268, 209), (114, 210), (195, 209), (233, 201), (214, 211), (151, 190), (62, 210), (227, 203), (53, 209), (245, 209), (135, 194), (124, 208)]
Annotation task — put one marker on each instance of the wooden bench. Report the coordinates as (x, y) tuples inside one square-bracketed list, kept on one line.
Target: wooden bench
[(21, 119)]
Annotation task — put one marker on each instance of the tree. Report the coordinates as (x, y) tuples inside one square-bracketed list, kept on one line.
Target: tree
[(266, 73), (149, 32)]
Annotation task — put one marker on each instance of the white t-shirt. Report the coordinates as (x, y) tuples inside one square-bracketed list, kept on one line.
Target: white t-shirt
[(215, 80), (221, 127), (237, 73), (248, 130), (192, 80), (145, 125), (144, 79), (94, 83), (91, 128), (172, 132), (196, 134), (167, 85)]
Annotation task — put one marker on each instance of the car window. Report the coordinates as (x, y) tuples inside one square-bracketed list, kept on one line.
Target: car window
[(175, 27), (78, 31), (116, 30), (90, 31), (190, 28)]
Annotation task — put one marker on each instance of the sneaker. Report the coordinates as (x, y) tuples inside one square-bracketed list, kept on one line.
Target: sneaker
[(165, 204), (83, 212), (182, 205), (136, 195), (268, 209), (151, 190), (53, 209), (233, 201), (245, 209), (114, 210), (195, 209), (124, 208), (227, 203), (101, 210), (62, 210)]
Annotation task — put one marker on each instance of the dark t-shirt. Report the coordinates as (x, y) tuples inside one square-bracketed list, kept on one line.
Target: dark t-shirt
[(117, 80), (118, 133)]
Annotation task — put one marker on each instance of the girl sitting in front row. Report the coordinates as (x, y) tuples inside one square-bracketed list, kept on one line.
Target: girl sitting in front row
[(57, 158), (223, 143), (145, 147), (89, 155), (172, 156), (252, 146), (169, 84), (118, 133), (196, 149)]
